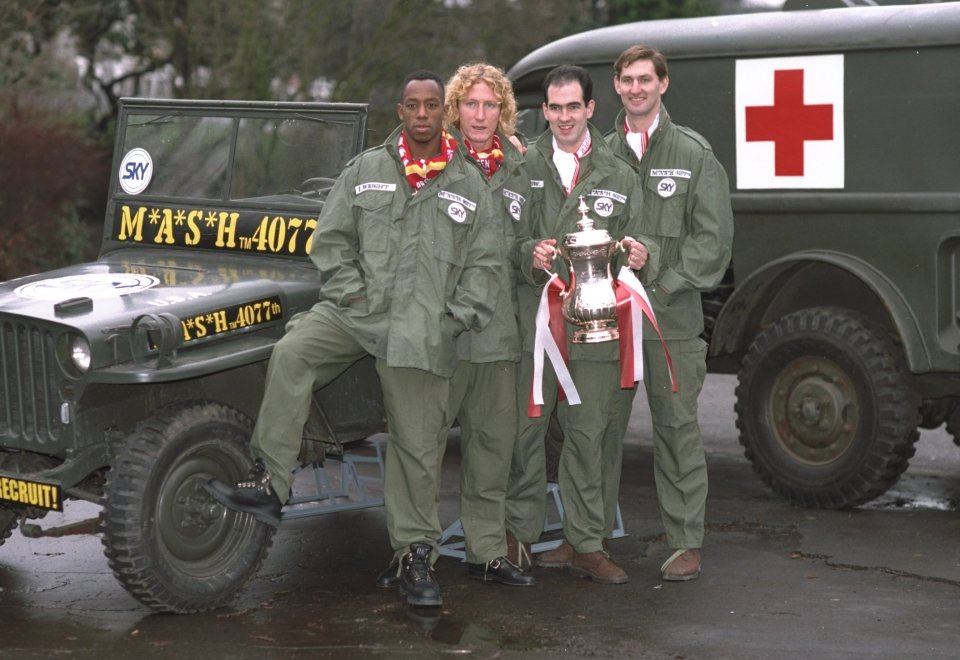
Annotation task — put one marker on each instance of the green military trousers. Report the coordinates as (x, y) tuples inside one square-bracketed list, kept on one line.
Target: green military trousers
[(680, 466), (590, 461), (525, 507), (592, 456), (483, 399), (416, 403), (314, 351)]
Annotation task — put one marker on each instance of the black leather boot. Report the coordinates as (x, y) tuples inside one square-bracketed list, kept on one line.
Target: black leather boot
[(501, 570), (417, 581), (253, 495)]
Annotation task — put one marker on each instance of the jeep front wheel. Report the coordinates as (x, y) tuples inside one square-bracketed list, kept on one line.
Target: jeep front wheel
[(827, 413), (170, 544)]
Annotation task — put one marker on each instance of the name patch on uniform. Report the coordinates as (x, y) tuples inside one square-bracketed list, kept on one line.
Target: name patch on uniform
[(610, 194), (680, 174), (373, 185), (536, 183), (444, 194)]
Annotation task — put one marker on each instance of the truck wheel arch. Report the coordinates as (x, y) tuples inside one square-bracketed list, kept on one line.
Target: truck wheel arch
[(816, 279)]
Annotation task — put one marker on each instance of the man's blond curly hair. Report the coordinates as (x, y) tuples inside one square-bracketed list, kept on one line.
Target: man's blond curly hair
[(469, 75)]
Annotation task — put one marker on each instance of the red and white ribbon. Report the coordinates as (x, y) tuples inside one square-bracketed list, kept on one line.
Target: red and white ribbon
[(551, 340), (632, 305)]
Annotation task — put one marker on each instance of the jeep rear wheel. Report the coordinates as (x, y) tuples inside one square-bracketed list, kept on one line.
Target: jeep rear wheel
[(827, 414), (170, 544)]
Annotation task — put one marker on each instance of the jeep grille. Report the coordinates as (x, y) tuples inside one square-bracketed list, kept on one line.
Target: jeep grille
[(28, 401)]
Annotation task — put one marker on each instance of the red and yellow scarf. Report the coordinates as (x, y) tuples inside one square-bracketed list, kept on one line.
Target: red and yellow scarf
[(422, 170), (490, 160)]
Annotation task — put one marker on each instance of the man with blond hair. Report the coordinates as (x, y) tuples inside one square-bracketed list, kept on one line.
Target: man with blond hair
[(480, 112)]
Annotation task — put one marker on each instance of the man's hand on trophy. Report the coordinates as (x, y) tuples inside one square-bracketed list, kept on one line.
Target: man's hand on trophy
[(636, 252), (544, 253)]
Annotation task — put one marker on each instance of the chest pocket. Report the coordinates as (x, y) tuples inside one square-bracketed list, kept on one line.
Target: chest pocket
[(454, 220), (605, 211), (375, 219), (664, 204)]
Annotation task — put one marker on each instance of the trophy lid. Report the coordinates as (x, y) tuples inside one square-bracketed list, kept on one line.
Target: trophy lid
[(587, 234)]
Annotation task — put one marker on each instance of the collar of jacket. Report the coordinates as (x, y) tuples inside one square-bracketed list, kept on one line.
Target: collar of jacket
[(454, 171), (621, 116), (512, 158), (601, 157)]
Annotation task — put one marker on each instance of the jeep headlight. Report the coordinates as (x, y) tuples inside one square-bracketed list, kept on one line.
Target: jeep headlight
[(74, 354)]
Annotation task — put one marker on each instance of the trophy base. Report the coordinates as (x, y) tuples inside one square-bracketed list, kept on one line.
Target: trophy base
[(594, 332)]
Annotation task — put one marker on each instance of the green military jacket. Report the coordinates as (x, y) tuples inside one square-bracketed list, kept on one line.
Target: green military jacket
[(614, 196), (509, 192), (408, 272), (686, 206)]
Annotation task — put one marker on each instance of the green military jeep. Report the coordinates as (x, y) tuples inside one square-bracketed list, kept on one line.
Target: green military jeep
[(132, 380)]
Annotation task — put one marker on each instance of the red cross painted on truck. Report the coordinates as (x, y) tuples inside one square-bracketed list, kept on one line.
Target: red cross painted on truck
[(788, 123)]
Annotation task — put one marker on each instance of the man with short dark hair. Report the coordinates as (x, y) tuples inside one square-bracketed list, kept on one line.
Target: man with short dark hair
[(568, 162), (408, 260), (687, 206)]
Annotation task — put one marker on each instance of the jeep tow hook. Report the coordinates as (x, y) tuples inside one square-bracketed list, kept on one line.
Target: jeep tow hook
[(88, 526)]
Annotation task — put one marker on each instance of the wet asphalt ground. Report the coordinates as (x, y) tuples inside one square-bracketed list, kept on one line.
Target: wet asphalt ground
[(778, 581)]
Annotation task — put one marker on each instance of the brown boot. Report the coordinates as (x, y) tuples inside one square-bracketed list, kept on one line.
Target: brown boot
[(682, 565), (598, 567), (518, 553), (559, 557)]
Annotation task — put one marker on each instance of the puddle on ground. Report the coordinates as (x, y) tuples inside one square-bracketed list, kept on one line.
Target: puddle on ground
[(432, 623)]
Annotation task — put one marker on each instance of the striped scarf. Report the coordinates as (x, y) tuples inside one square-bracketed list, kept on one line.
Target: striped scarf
[(568, 165), (638, 141), (489, 160), (423, 169)]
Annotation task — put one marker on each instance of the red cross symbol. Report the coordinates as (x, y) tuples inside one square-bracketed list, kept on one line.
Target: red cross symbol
[(788, 123)]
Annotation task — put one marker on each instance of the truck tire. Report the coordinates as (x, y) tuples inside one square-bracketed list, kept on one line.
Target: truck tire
[(827, 412), (8, 520), (171, 545)]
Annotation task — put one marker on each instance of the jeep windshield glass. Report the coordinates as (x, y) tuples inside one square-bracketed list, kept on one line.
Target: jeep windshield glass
[(274, 155), (189, 153), (277, 155)]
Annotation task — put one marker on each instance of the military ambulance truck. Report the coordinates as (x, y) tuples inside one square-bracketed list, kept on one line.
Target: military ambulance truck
[(839, 131), (132, 380)]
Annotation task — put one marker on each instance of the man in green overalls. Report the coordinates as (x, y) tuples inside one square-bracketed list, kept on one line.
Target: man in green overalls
[(407, 252), (569, 161), (687, 208)]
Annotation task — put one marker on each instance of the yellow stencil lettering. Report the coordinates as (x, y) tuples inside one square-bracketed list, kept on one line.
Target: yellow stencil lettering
[(220, 321), (200, 326), (193, 237), (131, 227), (165, 231), (227, 230)]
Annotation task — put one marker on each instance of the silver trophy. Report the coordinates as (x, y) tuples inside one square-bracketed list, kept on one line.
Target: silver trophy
[(592, 304)]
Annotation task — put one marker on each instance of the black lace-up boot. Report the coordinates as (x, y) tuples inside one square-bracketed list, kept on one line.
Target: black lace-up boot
[(253, 495), (417, 581)]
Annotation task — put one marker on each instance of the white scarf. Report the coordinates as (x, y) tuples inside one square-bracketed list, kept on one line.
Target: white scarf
[(638, 141), (568, 165)]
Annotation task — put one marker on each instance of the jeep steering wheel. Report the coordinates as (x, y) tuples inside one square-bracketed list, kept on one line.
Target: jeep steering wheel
[(317, 186)]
